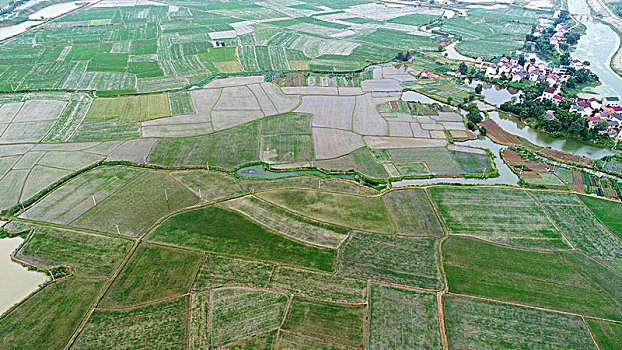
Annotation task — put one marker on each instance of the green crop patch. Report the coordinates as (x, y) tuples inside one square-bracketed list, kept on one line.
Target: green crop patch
[(608, 212), (499, 215), (476, 324), (366, 164), (319, 285), (294, 341), (228, 148), (413, 212), (584, 301), (88, 254), (38, 316), (108, 62), (578, 224), (410, 261), (217, 230), (287, 124), (288, 224), (237, 313), (181, 103), (162, 326), (264, 341), (221, 271), (602, 277), (145, 69), (339, 323), (129, 109), (402, 319), (153, 273), (606, 334), (363, 213), (471, 253)]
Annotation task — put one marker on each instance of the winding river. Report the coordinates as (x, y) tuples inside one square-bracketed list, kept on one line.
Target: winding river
[(597, 46)]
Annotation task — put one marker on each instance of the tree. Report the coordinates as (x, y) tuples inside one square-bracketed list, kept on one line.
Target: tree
[(479, 88), (463, 68), (449, 100), (483, 130), (471, 125)]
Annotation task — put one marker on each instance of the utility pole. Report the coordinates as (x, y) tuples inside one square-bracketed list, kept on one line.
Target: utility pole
[(118, 231)]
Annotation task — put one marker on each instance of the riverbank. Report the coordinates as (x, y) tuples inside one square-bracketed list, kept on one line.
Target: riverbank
[(615, 23)]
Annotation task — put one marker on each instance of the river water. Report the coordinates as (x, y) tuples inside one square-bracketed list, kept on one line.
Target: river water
[(17, 281), (514, 126), (597, 46)]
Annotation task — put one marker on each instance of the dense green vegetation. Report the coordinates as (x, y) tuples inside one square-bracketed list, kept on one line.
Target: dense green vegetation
[(153, 273), (162, 325), (221, 231), (68, 300), (339, 323)]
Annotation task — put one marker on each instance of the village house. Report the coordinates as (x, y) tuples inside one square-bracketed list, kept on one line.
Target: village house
[(611, 101)]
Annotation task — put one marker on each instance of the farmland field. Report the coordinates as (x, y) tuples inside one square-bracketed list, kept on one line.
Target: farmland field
[(153, 273), (402, 318), (473, 324), (409, 261), (342, 209), (260, 311), (499, 215), (304, 174), (340, 323), (221, 231), (111, 329), (413, 212)]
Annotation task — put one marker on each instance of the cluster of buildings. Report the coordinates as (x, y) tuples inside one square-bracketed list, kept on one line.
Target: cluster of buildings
[(559, 33), (516, 72), (596, 111)]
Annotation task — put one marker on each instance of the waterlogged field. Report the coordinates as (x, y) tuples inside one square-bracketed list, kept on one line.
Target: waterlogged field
[(216, 175)]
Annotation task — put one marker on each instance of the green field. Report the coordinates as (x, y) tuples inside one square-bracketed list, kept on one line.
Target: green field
[(237, 313), (340, 323), (220, 271), (607, 335), (608, 212), (542, 266), (578, 224), (68, 299), (88, 254), (319, 285), (475, 324), (402, 319), (161, 325), (226, 149), (221, 231), (409, 261), (499, 215), (413, 212), (531, 292), (153, 273), (253, 174), (356, 212), (138, 205), (288, 224)]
